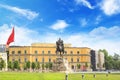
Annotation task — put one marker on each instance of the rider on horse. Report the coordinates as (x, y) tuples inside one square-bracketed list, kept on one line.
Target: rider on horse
[(60, 46)]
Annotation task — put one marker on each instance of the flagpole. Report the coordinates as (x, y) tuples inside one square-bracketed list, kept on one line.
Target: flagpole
[(10, 40)]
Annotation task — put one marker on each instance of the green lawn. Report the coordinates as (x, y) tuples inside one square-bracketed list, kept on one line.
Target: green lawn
[(54, 76)]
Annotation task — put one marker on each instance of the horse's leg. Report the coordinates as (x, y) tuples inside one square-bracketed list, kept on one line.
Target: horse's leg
[(60, 53)]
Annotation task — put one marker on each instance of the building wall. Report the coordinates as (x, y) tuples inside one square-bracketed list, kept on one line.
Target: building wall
[(97, 60), (38, 52), (3, 54), (101, 60), (4, 57)]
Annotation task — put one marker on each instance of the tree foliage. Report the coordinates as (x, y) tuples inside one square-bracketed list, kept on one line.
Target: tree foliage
[(111, 62), (16, 65), (37, 65), (2, 64), (50, 65), (78, 66), (28, 64), (10, 65), (33, 65)]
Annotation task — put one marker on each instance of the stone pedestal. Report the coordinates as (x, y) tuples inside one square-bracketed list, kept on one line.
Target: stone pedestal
[(58, 65)]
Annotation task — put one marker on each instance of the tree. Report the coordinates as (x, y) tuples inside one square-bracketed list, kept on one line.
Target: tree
[(33, 65), (46, 65), (43, 66), (86, 64), (10, 65), (78, 66), (116, 57), (37, 65), (109, 63), (24, 66), (28, 64), (2, 64), (50, 65), (16, 65)]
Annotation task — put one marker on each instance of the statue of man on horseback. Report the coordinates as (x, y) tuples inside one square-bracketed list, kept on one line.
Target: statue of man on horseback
[(60, 47)]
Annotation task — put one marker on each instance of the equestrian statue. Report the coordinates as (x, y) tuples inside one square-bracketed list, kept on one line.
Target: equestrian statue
[(60, 47)]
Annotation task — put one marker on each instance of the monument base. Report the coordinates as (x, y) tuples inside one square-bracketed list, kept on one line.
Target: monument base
[(58, 65)]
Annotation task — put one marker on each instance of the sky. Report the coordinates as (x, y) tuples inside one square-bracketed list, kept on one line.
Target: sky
[(83, 23)]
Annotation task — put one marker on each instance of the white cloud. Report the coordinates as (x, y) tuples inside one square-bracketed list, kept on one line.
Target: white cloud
[(24, 12), (104, 32), (85, 3), (83, 22), (110, 7), (23, 36), (59, 25), (98, 38)]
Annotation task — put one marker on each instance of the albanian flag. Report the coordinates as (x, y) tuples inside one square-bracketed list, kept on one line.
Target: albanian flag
[(11, 38)]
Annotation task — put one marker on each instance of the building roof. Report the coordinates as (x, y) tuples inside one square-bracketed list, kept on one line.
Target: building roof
[(48, 45)]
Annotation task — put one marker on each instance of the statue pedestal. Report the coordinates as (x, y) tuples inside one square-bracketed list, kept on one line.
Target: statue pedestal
[(58, 65)]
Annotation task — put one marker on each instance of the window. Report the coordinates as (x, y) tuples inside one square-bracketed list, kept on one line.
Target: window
[(77, 59), (78, 52), (25, 52), (49, 59), (36, 52), (13, 52), (71, 59), (36, 60), (19, 52), (72, 66), (48, 52), (71, 52)]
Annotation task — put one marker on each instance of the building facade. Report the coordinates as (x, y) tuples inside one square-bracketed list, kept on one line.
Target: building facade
[(3, 55), (97, 60), (46, 52)]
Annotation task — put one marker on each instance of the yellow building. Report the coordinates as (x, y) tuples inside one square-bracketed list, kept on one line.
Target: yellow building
[(46, 52)]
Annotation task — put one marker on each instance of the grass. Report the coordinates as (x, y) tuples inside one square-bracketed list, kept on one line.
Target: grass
[(54, 76)]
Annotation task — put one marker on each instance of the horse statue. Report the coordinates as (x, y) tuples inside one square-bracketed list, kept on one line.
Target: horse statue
[(60, 47)]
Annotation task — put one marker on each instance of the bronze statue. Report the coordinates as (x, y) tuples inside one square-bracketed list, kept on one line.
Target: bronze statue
[(60, 47)]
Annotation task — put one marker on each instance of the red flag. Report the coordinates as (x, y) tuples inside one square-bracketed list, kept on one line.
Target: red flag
[(11, 38)]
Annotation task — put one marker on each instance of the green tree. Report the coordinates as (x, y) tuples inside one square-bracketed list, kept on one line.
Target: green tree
[(116, 61), (50, 65), (118, 65), (16, 65), (10, 65), (116, 57), (2, 64), (109, 63), (46, 65), (28, 64), (78, 66), (33, 65), (86, 64), (24, 66), (43, 66), (37, 65)]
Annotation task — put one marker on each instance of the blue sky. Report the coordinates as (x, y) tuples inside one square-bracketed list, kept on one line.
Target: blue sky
[(83, 23)]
